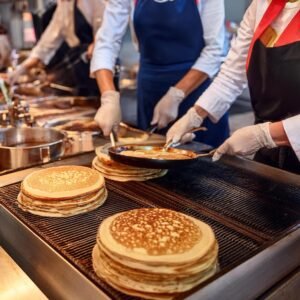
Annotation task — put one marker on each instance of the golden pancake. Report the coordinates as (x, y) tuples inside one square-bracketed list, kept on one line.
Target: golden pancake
[(158, 154), (121, 172), (172, 237), (154, 253), (67, 212), (141, 284), (65, 204), (62, 182)]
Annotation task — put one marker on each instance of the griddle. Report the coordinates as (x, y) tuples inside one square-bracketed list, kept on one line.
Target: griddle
[(248, 213)]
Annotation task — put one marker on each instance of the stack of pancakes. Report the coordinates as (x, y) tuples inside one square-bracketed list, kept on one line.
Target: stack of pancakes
[(154, 253), (119, 172), (62, 191)]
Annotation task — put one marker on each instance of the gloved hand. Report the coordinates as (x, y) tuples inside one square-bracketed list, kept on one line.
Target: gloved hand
[(178, 132), (109, 114), (166, 110), (14, 75), (246, 141)]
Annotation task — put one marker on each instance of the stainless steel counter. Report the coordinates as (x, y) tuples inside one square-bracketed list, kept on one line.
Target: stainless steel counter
[(60, 278), (14, 283)]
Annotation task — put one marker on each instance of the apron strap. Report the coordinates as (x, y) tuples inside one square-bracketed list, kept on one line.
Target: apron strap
[(274, 9), (291, 33)]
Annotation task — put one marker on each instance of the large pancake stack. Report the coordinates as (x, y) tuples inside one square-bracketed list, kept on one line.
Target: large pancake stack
[(62, 191), (154, 253), (119, 172)]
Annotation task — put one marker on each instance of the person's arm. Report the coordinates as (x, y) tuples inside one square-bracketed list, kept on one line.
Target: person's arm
[(50, 40), (207, 65), (248, 140), (209, 61), (232, 79), (109, 37), (228, 84), (107, 47), (105, 80)]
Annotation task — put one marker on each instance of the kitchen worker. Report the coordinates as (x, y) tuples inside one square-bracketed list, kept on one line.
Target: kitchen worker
[(266, 55), (180, 44), (67, 38)]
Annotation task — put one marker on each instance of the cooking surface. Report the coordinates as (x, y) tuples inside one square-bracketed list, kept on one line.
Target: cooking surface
[(246, 212)]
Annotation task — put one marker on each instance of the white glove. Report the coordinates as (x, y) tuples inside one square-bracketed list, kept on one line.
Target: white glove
[(246, 141), (109, 114), (178, 132), (14, 75), (166, 110)]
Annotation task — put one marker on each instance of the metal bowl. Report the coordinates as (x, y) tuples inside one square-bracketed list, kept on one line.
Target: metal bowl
[(20, 147)]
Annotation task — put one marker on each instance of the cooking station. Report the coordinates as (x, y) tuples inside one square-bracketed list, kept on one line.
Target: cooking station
[(255, 219), (253, 209)]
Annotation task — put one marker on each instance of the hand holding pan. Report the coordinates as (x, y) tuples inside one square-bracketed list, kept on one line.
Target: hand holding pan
[(170, 143)]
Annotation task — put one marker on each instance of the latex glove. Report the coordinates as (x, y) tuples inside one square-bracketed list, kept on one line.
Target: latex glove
[(246, 141), (14, 75), (178, 132), (109, 114), (166, 110)]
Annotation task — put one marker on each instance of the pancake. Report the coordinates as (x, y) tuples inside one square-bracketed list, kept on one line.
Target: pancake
[(157, 154), (62, 182), (121, 172), (174, 237), (154, 253), (62, 191), (76, 202), (63, 212)]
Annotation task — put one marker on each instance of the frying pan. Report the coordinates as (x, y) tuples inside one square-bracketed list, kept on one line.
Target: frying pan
[(143, 162)]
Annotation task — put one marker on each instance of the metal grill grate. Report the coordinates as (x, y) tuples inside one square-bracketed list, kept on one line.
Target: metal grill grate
[(265, 207), (74, 237)]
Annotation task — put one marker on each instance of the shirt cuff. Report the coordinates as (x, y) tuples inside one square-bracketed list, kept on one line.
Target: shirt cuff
[(292, 129), (45, 59), (99, 62), (206, 66), (215, 106)]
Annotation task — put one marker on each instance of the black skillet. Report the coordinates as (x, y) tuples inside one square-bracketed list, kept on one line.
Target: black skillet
[(143, 162)]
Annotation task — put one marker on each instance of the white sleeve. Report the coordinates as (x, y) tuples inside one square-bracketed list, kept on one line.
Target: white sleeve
[(232, 79), (292, 130), (109, 36), (97, 16), (213, 22), (50, 40)]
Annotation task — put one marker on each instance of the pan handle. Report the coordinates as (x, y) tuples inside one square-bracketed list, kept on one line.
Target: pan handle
[(45, 154), (210, 153)]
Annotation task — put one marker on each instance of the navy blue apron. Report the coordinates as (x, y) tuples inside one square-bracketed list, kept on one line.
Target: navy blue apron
[(170, 36)]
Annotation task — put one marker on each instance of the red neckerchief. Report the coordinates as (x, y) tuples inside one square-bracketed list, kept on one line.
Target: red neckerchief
[(272, 12)]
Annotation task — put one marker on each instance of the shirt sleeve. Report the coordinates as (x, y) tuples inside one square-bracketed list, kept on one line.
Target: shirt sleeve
[(214, 36), (50, 40), (109, 36), (97, 14), (292, 130), (232, 79)]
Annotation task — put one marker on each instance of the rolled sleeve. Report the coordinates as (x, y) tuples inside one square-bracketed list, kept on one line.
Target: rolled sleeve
[(109, 36), (292, 130), (50, 41), (214, 36), (232, 78)]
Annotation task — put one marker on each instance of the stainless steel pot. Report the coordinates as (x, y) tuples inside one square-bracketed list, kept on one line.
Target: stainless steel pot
[(20, 147)]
